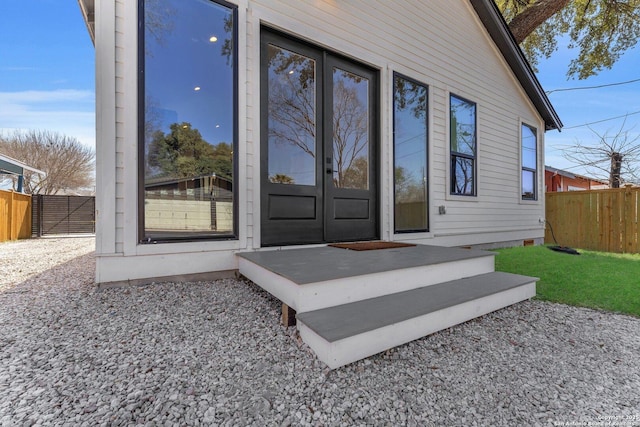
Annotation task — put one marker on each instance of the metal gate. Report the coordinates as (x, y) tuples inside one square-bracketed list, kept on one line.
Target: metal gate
[(63, 215)]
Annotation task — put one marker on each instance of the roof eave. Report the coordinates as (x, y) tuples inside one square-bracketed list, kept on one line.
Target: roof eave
[(20, 165), (87, 8), (499, 31)]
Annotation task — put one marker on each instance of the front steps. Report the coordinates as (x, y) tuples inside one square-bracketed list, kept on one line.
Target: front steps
[(346, 333), (351, 305)]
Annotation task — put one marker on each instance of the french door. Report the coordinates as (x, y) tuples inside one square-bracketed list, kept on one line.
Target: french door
[(319, 141)]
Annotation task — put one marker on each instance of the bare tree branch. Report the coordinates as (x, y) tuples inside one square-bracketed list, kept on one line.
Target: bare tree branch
[(614, 158), (67, 163)]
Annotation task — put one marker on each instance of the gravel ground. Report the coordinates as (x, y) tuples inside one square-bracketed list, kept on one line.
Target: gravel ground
[(213, 353)]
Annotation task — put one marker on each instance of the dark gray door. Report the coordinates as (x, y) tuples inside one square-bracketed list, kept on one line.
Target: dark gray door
[(319, 145)]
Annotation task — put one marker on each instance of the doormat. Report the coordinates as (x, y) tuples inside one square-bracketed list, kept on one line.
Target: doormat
[(370, 246)]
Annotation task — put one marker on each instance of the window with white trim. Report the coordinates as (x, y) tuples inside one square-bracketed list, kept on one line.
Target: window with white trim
[(529, 143), (187, 120), (463, 146), (410, 155)]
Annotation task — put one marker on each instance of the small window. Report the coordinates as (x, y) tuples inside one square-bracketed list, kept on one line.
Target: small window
[(529, 163), (463, 148), (410, 124)]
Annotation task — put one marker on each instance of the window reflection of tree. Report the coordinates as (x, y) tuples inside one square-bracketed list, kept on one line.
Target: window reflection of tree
[(292, 99), (281, 178), (463, 146), (411, 95), (350, 132), (183, 153), (409, 188), (463, 176), (159, 16), (292, 116), (159, 24)]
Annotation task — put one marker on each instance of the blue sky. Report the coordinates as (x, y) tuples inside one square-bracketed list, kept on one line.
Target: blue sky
[(578, 107), (46, 68), (47, 80)]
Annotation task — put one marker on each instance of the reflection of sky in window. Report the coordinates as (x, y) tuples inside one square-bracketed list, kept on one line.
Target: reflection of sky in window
[(528, 147), (528, 179), (185, 59), (463, 118), (411, 137)]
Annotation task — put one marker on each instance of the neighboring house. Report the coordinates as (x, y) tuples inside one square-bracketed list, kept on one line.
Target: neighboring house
[(414, 121), (15, 168), (561, 180)]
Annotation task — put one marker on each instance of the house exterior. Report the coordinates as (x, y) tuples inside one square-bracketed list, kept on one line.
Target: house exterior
[(325, 120), (561, 180)]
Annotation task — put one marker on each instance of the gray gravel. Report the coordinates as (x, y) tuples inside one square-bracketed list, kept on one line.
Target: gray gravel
[(213, 353)]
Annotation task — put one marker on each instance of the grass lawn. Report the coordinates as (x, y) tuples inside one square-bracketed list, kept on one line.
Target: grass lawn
[(600, 280)]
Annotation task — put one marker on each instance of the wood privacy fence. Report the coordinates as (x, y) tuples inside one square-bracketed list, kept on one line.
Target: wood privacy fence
[(15, 216), (601, 220)]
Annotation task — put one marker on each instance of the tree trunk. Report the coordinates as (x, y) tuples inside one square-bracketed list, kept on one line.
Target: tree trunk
[(529, 19), (616, 166)]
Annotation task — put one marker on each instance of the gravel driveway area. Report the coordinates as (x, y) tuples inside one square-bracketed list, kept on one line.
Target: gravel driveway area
[(214, 353)]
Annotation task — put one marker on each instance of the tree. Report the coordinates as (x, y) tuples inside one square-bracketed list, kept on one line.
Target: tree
[(223, 160), (350, 135), (616, 158), (183, 153), (281, 178), (601, 30), (67, 163), (408, 188)]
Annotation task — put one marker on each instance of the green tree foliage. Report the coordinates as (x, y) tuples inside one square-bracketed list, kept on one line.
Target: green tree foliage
[(281, 178), (599, 30), (183, 153), (407, 187), (67, 163), (223, 160), (356, 175)]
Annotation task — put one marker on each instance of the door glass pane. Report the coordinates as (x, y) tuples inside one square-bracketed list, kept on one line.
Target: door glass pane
[(410, 155), (350, 130), (188, 119), (291, 117)]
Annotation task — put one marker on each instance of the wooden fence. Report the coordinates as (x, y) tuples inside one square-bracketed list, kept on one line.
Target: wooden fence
[(601, 220), (15, 216)]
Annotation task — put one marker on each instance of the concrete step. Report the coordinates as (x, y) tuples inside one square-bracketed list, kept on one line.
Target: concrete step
[(346, 333), (308, 279)]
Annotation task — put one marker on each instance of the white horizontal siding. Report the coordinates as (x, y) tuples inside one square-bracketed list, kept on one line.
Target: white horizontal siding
[(440, 43), (444, 45)]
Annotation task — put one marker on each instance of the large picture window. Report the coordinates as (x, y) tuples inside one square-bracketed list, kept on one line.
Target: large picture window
[(187, 98), (463, 146), (410, 125), (529, 163)]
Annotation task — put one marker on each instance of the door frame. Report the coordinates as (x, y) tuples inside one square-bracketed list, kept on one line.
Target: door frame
[(316, 224)]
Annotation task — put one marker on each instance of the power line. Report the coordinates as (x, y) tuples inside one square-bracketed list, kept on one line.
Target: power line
[(592, 87), (600, 121)]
